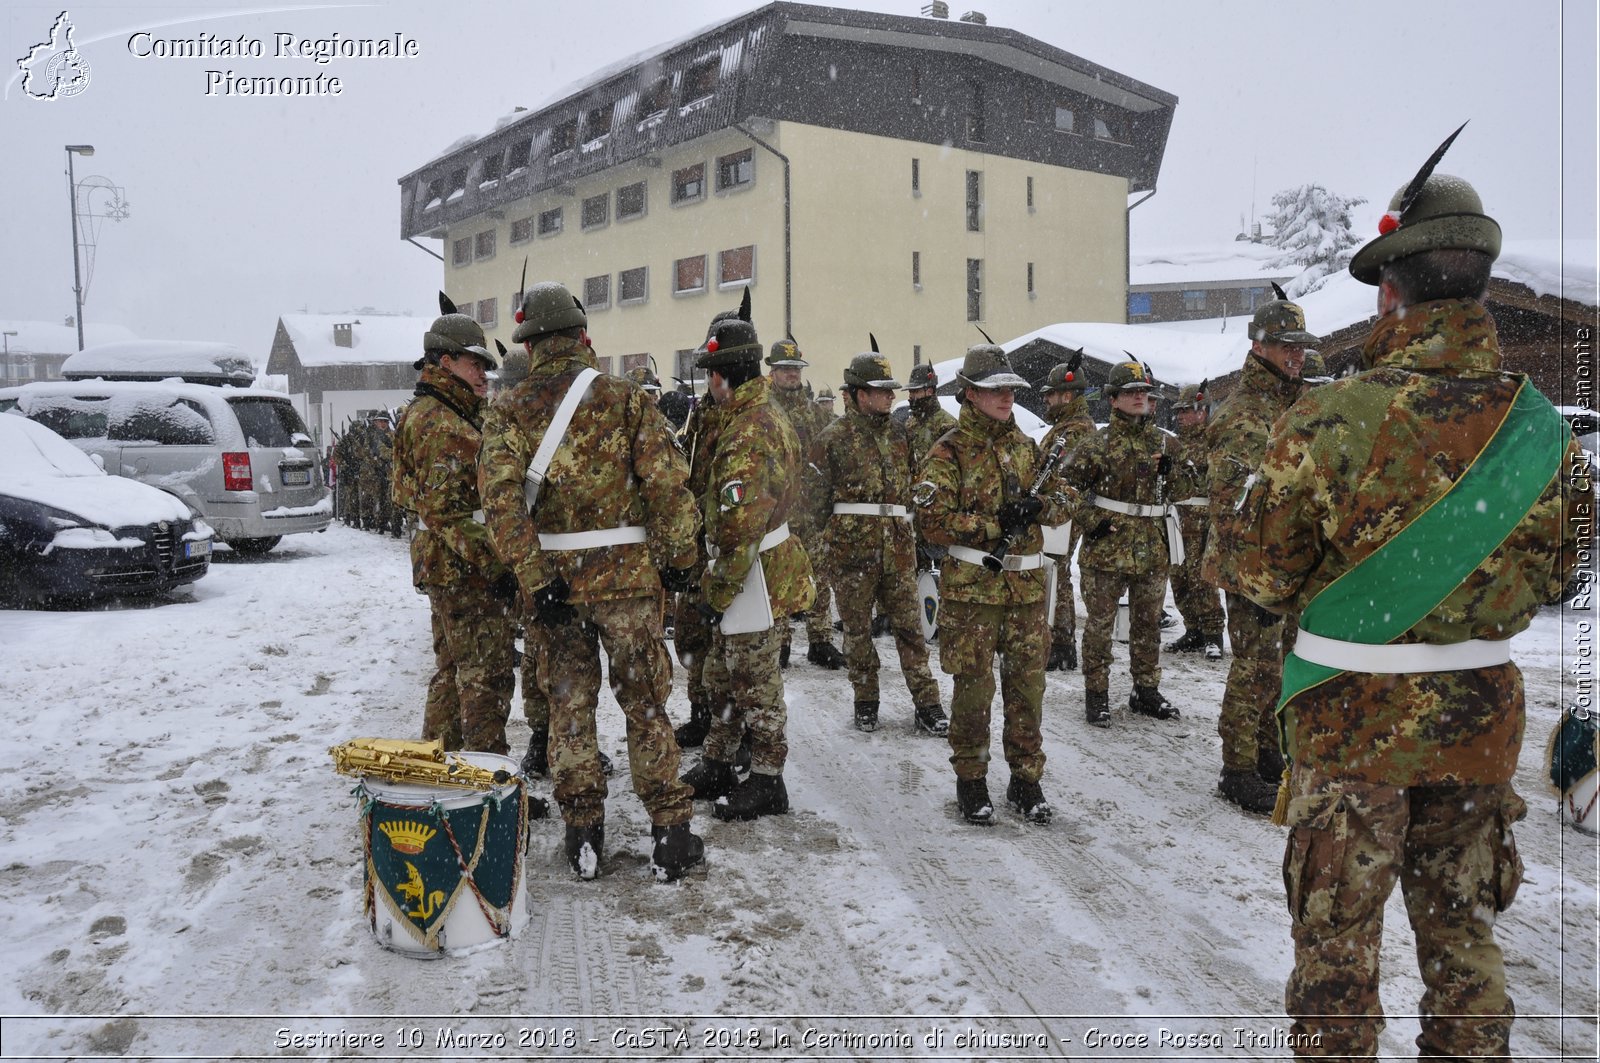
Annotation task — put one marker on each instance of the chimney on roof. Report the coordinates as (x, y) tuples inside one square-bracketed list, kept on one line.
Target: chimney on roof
[(343, 334), (937, 9), (977, 18)]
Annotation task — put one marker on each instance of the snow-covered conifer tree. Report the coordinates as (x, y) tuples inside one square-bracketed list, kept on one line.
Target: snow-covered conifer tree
[(1312, 227)]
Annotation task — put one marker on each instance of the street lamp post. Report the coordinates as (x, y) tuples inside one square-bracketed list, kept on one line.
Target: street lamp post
[(5, 338), (72, 195)]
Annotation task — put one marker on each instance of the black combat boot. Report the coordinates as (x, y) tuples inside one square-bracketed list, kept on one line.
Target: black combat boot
[(693, 734), (677, 849), (1168, 620), (741, 757), (825, 654), (585, 846), (758, 795), (880, 626), (1213, 645), (1249, 791), (1072, 655), (1192, 641), (1097, 707), (972, 798), (1027, 799), (1147, 701), (931, 718), (783, 655), (866, 716), (710, 779), (1059, 648), (538, 807), (1269, 763), (536, 761)]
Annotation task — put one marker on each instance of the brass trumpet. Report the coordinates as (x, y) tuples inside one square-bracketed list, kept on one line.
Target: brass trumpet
[(410, 761)]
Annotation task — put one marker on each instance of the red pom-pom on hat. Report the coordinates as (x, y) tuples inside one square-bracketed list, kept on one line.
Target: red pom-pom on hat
[(711, 346), (518, 316), (1070, 378), (1388, 223)]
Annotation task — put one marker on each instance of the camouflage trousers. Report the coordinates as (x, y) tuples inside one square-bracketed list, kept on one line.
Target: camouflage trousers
[(1064, 625), (469, 695), (893, 589), (535, 705), (1199, 603), (1101, 592), (819, 618), (1452, 851), (1255, 677), (970, 636), (746, 690), (691, 638), (640, 674)]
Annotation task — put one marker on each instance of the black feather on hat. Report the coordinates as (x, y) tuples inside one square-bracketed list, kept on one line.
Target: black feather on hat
[(1409, 196), (744, 306), (874, 341), (1074, 360), (446, 306), (986, 336), (1278, 291)]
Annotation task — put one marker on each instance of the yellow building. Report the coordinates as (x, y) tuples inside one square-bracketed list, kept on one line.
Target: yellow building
[(911, 177)]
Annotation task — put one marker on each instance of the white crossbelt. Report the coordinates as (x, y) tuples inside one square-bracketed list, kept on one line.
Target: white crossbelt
[(1196, 500), (477, 515), (1011, 563), (1175, 551), (591, 540), (872, 509), (1397, 659), (768, 541)]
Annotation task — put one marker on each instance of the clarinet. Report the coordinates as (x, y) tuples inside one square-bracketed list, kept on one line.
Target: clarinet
[(995, 561)]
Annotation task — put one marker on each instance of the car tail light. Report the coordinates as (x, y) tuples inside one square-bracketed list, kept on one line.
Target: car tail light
[(236, 472)]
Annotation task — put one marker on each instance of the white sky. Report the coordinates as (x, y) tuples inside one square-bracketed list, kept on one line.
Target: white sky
[(245, 208)]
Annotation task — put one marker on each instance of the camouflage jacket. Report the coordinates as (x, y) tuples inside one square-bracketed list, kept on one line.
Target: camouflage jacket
[(968, 474), (1236, 439), (1354, 462), (926, 423), (808, 419), (617, 466), (753, 487), (435, 476), (1120, 462), (1072, 420), (1192, 456), (697, 441), (862, 458)]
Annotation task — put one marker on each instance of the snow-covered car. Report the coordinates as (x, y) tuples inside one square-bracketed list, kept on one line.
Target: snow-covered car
[(241, 458), (69, 532)]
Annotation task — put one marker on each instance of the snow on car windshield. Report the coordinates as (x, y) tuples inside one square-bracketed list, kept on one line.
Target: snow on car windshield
[(269, 423)]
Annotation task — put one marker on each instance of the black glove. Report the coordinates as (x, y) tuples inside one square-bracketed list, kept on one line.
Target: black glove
[(677, 580), (1017, 516), (504, 589), (1265, 617), (713, 616), (550, 604), (1164, 466), (1099, 531)]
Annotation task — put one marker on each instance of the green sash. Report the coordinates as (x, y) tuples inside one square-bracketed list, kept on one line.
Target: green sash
[(1389, 591)]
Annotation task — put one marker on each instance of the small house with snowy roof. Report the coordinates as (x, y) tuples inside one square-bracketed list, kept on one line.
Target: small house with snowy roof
[(338, 366)]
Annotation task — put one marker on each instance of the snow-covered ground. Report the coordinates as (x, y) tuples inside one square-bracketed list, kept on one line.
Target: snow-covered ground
[(183, 867)]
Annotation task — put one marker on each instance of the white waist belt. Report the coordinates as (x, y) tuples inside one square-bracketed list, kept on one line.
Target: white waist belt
[(1132, 509), (477, 515), (768, 541), (872, 509), (1397, 659), (1011, 563), (1197, 500), (590, 540)]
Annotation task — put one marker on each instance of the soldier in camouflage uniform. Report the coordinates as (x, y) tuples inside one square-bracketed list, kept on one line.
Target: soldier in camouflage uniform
[(1402, 768), (824, 401), (972, 499), (612, 508), (471, 594), (859, 480), (1068, 414), (1124, 480), (759, 575), (350, 472), (927, 420), (1235, 441), (789, 395), (376, 472), (647, 380), (1199, 603), (383, 462)]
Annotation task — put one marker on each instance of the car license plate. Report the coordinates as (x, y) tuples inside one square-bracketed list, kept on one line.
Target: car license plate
[(296, 477), (201, 548)]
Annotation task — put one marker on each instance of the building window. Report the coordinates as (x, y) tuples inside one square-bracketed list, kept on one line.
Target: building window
[(689, 183), (597, 292), (1138, 304), (1108, 127), (689, 275), (916, 84), (458, 185), (434, 196), (550, 221), (522, 230), (916, 177), (700, 80), (602, 362), (461, 251), (631, 201), (517, 158), (597, 122), (564, 136), (683, 366), (736, 170), (488, 312), (1031, 292), (596, 210), (974, 201), (635, 361), (1066, 121), (633, 285), (916, 269), (974, 289), (657, 98), (483, 245), (736, 265), (1030, 193), (491, 169), (975, 113), (916, 354), (1194, 300)]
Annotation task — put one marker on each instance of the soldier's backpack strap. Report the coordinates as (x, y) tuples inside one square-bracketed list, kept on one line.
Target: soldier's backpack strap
[(533, 478)]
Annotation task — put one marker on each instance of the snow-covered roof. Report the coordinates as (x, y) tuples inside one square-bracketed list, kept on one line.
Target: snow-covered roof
[(157, 359), (1565, 269), (44, 337), (374, 338), (1206, 264)]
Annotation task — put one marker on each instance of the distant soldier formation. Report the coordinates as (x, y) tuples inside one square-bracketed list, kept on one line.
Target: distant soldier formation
[(1385, 739)]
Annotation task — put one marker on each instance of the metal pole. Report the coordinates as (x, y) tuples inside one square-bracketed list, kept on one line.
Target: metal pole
[(72, 197)]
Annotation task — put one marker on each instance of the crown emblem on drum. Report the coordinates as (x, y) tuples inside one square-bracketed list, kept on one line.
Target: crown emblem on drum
[(406, 836)]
